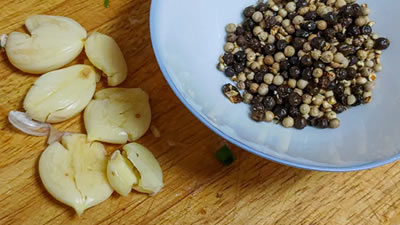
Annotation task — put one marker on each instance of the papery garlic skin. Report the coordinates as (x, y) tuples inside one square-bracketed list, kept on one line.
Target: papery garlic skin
[(54, 41), (24, 123)]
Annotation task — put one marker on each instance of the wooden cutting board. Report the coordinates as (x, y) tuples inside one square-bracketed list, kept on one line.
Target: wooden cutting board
[(198, 189)]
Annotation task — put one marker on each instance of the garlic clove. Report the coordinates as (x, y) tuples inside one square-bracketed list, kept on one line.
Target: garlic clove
[(54, 41), (59, 95), (120, 174), (117, 115), (106, 55), (151, 177), (74, 172)]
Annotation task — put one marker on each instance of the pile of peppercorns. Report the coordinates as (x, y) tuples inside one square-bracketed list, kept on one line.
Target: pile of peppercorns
[(302, 62)]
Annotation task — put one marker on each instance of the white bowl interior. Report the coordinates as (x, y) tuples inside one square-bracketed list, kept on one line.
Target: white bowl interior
[(189, 37)]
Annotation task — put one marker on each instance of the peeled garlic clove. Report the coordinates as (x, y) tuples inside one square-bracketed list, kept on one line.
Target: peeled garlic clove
[(117, 115), (59, 95), (74, 172), (54, 41), (151, 178), (106, 55), (120, 174)]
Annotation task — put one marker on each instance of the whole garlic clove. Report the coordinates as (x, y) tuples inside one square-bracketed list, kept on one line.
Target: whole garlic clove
[(106, 55), (117, 115), (54, 41), (120, 174), (151, 177), (59, 95), (74, 172)]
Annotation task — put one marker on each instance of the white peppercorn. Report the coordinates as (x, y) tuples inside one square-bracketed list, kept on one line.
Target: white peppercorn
[(271, 39), (331, 115), (307, 47), (314, 111), (316, 54), (297, 20), (307, 99), (318, 72), (268, 78), (365, 11), (269, 116), (305, 109), (322, 25), (263, 36), (347, 91), (283, 13), (303, 10), (241, 85), (329, 94), (289, 51), (361, 80), (367, 94), (335, 123), (257, 30), (327, 57), (263, 89), (318, 99), (362, 55), (340, 3), (257, 16), (229, 47), (292, 83), (247, 97), (230, 28), (255, 66), (269, 60), (254, 88), (290, 29), (242, 76), (298, 91), (351, 99), (251, 56), (278, 80), (378, 67), (286, 23), (279, 56), (290, 7), (302, 84), (250, 76), (326, 105), (288, 122), (361, 21)]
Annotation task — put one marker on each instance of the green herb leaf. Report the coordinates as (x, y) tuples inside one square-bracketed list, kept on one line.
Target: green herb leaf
[(106, 3), (225, 155)]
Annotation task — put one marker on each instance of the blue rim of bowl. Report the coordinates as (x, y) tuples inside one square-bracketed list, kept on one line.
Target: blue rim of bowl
[(166, 75)]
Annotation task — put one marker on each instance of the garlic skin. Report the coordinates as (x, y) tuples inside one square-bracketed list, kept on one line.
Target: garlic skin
[(74, 172), (105, 54), (118, 115), (54, 41), (24, 123), (60, 95)]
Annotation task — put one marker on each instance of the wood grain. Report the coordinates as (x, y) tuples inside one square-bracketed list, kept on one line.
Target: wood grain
[(198, 190)]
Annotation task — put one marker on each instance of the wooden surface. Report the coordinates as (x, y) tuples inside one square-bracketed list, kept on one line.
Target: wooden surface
[(198, 190)]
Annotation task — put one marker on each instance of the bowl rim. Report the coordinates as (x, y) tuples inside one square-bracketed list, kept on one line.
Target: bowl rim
[(156, 49)]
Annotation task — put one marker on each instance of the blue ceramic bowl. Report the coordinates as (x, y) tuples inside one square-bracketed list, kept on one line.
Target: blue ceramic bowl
[(187, 38)]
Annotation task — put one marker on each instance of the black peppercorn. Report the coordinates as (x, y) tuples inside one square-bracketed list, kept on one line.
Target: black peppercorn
[(259, 77), (357, 90), (306, 61), (228, 59), (356, 8), (294, 60), (249, 11), (330, 34), (351, 73), (312, 121), (309, 26), (257, 112), (323, 123), (269, 103), (284, 65), (298, 43), (262, 7), (239, 30), (330, 18), (241, 41), (278, 99), (248, 25), (307, 73), (240, 56), (238, 67), (269, 49), (338, 108), (367, 30), (302, 33), (284, 91), (339, 89), (353, 60), (301, 3), (324, 82), (294, 111), (272, 88), (231, 37), (285, 74), (341, 74), (346, 21), (292, 15), (319, 64), (230, 72), (312, 89), (382, 44), (346, 11), (346, 49), (280, 111), (294, 99), (353, 31), (294, 72), (340, 37), (264, 69), (311, 15), (318, 43), (281, 45), (300, 122)]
